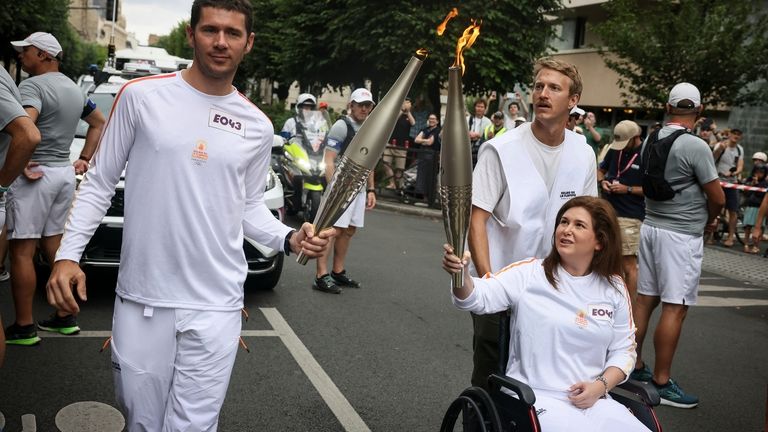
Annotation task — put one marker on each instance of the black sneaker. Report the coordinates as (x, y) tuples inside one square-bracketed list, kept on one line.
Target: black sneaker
[(21, 335), (65, 325), (325, 283), (344, 280)]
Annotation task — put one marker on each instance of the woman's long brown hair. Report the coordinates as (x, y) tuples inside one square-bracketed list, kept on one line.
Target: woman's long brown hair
[(607, 261)]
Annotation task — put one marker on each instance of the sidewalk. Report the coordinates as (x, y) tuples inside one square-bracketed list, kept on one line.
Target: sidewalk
[(730, 263)]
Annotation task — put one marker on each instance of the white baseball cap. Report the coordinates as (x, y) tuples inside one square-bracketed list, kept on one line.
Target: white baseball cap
[(44, 41), (684, 95), (760, 156), (361, 95), (624, 131), (577, 110)]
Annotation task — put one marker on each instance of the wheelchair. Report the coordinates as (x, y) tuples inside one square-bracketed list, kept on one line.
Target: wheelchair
[(498, 411)]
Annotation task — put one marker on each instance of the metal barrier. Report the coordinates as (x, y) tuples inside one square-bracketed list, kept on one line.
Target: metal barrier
[(417, 182)]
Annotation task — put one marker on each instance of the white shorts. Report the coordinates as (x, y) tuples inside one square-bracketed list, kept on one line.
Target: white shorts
[(669, 265), (39, 208), (2, 211), (172, 366), (355, 213), (606, 415)]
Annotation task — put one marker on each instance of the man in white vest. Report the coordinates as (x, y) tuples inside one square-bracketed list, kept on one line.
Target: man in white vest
[(521, 180)]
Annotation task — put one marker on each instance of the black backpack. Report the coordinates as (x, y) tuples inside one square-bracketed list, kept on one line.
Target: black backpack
[(350, 134), (653, 162)]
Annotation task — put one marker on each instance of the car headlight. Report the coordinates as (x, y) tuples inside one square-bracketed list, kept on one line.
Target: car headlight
[(271, 180)]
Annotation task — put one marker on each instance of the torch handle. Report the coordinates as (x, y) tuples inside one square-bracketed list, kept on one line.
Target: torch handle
[(457, 279), (302, 259)]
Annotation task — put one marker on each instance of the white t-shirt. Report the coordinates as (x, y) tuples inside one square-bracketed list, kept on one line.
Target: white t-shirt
[(728, 159), (562, 336), (193, 187)]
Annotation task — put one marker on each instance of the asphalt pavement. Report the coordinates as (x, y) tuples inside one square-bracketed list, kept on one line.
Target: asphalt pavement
[(392, 355)]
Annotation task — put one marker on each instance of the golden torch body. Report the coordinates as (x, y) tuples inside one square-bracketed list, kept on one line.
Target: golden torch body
[(362, 154), (456, 171)]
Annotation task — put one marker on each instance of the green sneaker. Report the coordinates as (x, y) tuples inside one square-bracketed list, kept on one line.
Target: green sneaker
[(643, 374), (65, 325), (672, 395), (21, 335)]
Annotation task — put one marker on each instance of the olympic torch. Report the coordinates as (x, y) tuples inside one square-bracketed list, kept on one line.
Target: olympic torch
[(456, 158), (362, 154), (456, 171)]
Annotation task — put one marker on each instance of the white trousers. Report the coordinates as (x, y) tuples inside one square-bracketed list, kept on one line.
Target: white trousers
[(172, 366), (606, 415)]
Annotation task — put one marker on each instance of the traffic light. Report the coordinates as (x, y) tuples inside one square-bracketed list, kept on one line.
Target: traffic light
[(112, 8)]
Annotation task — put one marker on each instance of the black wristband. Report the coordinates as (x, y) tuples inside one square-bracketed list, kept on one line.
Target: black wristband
[(287, 243), (370, 190), (83, 158)]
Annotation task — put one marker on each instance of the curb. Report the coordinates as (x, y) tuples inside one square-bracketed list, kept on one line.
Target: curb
[(409, 209)]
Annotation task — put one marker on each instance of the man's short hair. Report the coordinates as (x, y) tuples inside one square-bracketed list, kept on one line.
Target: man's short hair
[(564, 68), (737, 131), (480, 101), (515, 104), (498, 115), (242, 6)]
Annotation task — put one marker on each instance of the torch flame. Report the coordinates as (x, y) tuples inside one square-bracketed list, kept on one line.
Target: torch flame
[(465, 41), (441, 28), (422, 53)]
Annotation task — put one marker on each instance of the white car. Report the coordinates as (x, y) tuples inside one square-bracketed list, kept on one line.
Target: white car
[(264, 264)]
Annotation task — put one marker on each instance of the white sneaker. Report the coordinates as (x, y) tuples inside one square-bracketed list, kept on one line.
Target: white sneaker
[(4, 276)]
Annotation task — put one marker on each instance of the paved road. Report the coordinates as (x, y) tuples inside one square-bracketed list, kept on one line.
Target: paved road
[(388, 357)]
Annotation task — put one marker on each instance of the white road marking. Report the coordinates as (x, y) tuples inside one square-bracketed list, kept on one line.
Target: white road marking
[(707, 288), (729, 302), (28, 423), (339, 405), (342, 409), (712, 301), (106, 334)]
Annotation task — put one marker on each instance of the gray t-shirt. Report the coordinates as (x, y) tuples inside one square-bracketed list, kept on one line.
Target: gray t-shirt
[(338, 134), (59, 102), (686, 213), (728, 159), (10, 109)]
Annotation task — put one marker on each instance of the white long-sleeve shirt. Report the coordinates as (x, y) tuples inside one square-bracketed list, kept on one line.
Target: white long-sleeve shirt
[(558, 337), (194, 186)]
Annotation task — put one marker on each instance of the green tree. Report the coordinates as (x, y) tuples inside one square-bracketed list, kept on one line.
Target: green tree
[(176, 41), (345, 42), (717, 45), (19, 19)]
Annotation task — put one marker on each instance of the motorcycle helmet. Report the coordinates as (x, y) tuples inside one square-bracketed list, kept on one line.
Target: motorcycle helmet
[(305, 100), (760, 156)]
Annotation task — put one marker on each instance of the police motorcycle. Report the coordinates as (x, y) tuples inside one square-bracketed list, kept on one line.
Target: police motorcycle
[(302, 163)]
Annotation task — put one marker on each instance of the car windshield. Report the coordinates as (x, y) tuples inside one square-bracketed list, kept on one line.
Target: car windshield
[(104, 102)]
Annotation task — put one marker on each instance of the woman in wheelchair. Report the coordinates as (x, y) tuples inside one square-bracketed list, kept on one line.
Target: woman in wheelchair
[(572, 338)]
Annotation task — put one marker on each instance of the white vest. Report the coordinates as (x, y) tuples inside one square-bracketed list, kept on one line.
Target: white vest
[(527, 229)]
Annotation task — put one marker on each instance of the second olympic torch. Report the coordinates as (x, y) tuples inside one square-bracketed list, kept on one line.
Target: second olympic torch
[(456, 171), (362, 154)]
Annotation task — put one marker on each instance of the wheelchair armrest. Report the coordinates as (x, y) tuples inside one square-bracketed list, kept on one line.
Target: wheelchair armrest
[(645, 391), (521, 389)]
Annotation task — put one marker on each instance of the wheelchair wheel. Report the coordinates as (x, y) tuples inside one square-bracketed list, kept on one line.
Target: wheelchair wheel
[(477, 410)]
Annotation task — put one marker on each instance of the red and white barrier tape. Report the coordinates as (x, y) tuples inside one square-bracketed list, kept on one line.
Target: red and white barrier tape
[(727, 185)]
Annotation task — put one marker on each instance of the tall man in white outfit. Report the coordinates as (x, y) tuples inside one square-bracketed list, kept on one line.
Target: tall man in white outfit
[(199, 153), (341, 134), (521, 180)]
